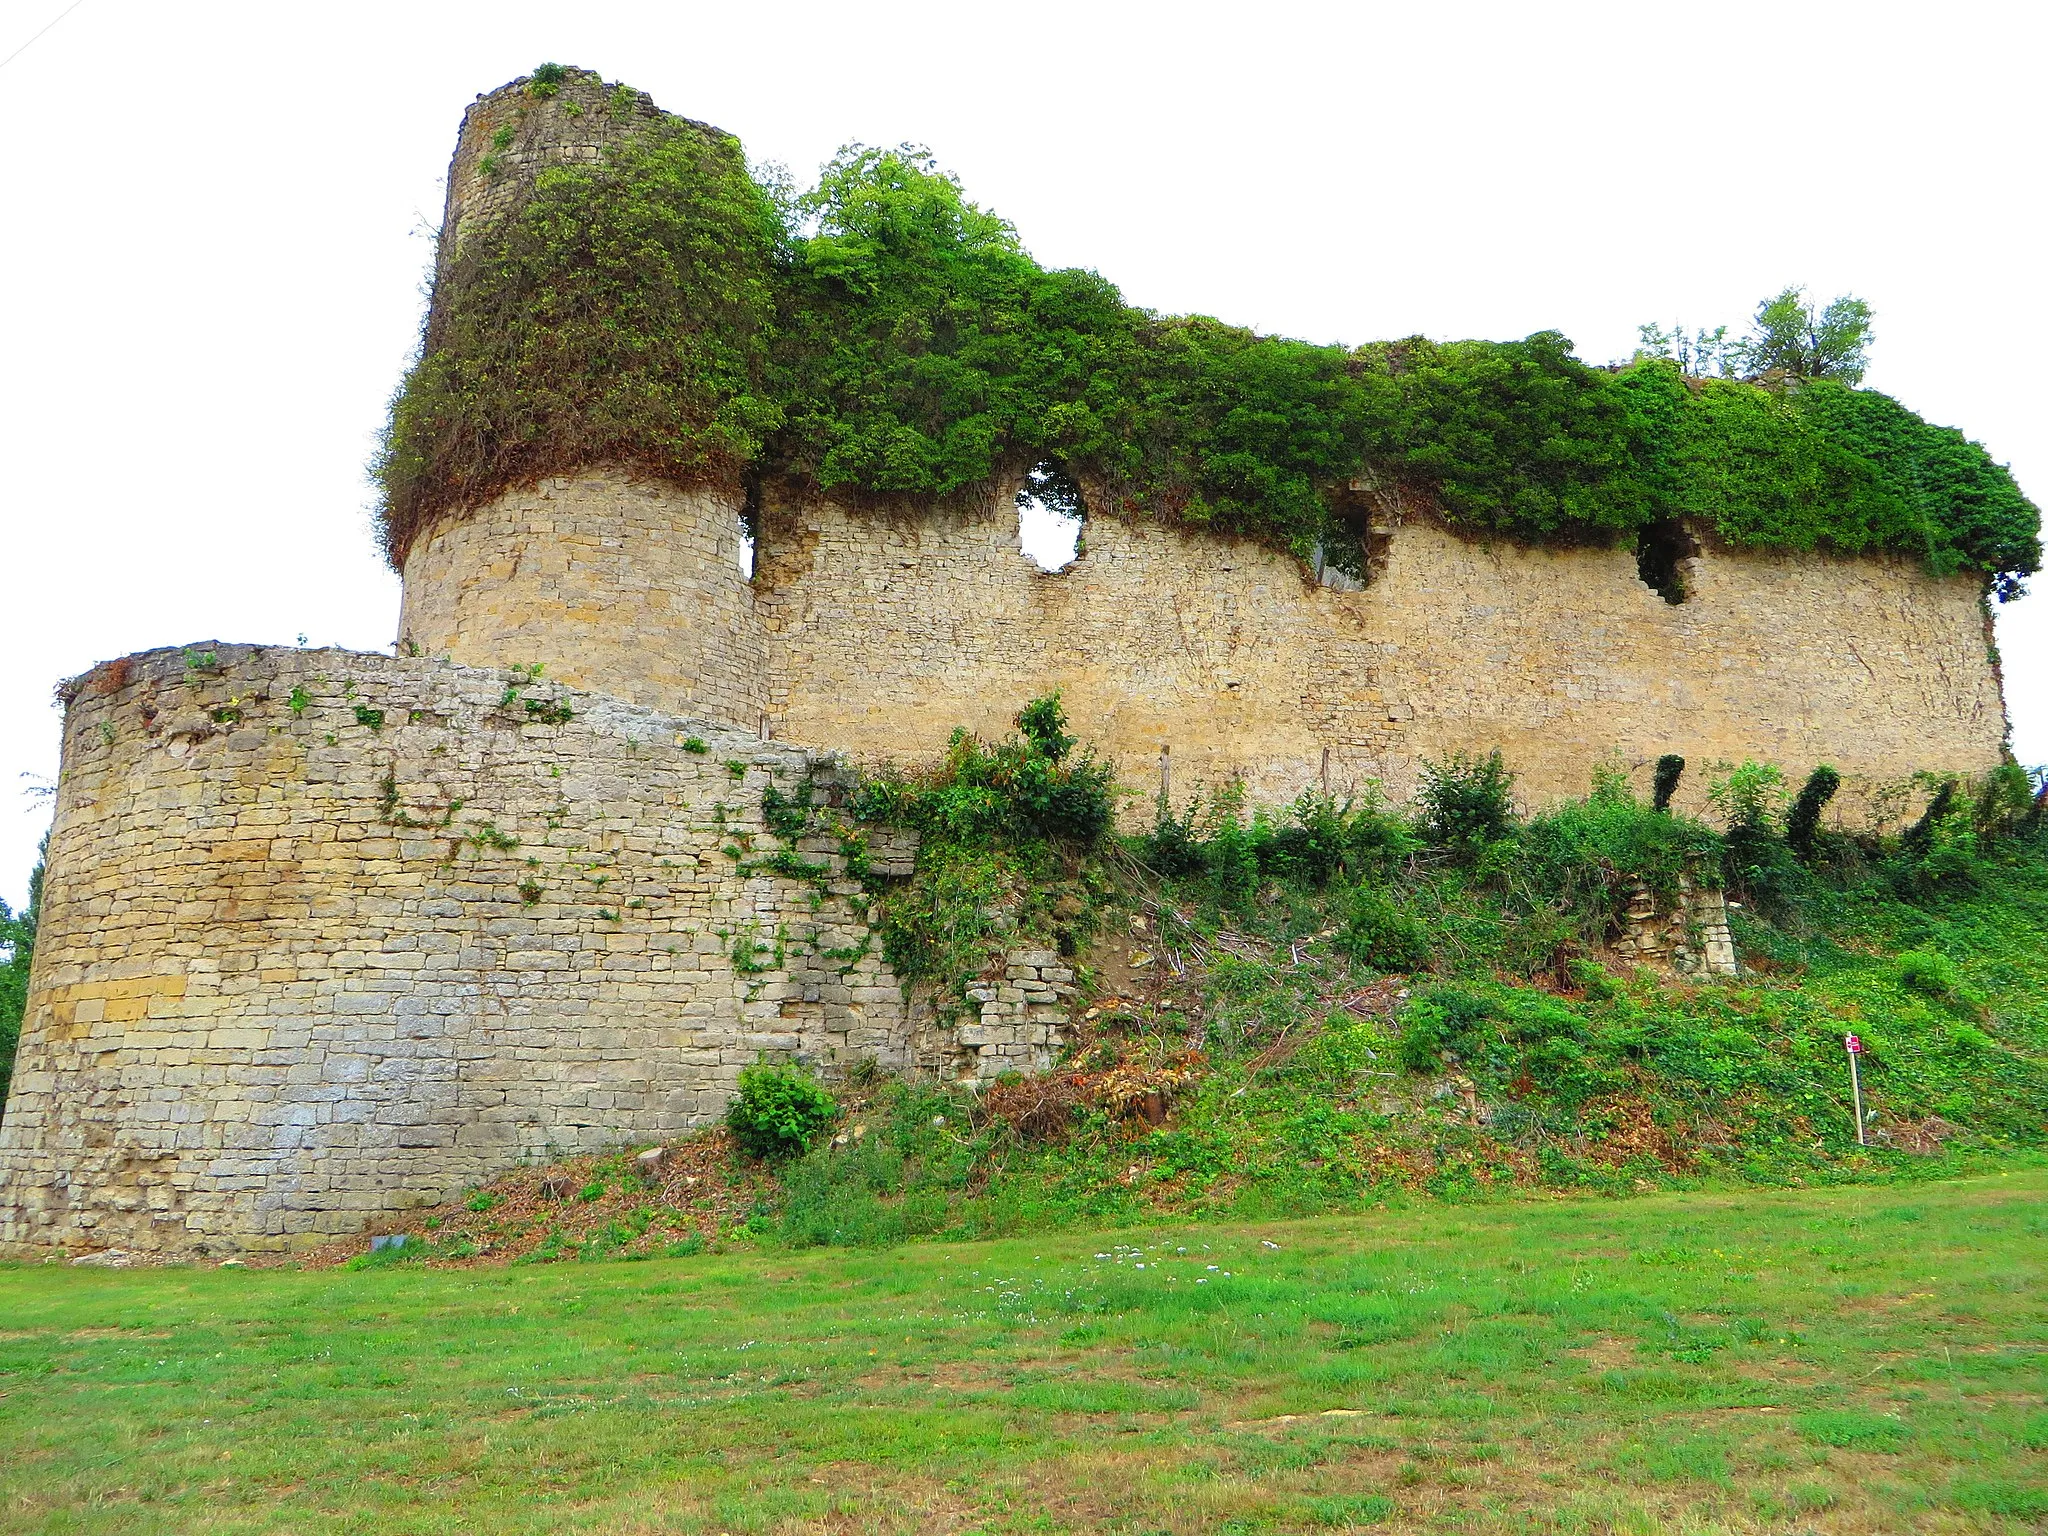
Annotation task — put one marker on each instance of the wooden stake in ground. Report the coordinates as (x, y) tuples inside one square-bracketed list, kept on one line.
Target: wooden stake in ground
[(1855, 1049)]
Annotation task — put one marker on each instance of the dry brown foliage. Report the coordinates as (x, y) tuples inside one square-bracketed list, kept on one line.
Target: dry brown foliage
[(1045, 1106)]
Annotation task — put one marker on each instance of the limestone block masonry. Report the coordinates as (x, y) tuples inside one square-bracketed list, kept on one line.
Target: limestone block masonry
[(1691, 935), (327, 934), (1024, 1016), (609, 581), (884, 633), (878, 634)]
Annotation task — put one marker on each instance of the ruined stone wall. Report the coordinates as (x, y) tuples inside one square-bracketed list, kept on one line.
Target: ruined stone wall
[(877, 634), (326, 934), (611, 582), (885, 633)]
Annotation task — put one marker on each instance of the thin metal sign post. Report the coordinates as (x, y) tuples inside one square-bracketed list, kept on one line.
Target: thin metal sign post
[(1854, 1047)]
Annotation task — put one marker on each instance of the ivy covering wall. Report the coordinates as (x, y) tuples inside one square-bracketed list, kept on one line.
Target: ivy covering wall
[(882, 334)]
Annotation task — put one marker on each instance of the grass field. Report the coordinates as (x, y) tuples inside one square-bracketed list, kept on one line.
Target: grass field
[(1851, 1359)]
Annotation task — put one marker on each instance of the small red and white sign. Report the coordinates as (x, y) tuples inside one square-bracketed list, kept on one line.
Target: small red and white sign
[(1853, 1045)]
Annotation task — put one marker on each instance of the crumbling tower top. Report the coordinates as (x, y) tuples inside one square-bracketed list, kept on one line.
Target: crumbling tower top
[(555, 116)]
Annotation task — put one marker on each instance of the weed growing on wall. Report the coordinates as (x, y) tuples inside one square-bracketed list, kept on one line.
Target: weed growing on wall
[(881, 333), (1007, 834)]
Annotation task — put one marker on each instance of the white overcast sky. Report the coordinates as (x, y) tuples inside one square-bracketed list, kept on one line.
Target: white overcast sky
[(218, 216)]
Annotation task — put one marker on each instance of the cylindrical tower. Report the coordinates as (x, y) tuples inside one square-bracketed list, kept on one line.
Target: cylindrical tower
[(561, 480)]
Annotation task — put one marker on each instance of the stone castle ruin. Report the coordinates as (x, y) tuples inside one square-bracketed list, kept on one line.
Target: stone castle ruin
[(326, 933)]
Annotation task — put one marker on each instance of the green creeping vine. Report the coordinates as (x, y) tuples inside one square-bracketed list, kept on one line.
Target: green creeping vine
[(623, 313), (881, 334)]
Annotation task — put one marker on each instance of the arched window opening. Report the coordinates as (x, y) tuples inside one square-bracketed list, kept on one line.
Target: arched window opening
[(1049, 517), (1662, 555)]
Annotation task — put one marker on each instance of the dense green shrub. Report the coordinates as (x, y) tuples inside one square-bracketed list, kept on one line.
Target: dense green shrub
[(1501, 1036), (1023, 789), (1379, 934), (1311, 847), (904, 1178), (1320, 839), (883, 334), (1317, 841), (1173, 848), (1928, 972), (778, 1111), (1942, 850), (2004, 801), (1664, 781), (1466, 804), (1000, 822), (1588, 856), (1755, 861), (1232, 853)]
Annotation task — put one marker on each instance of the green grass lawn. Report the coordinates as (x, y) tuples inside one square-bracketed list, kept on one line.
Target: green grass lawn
[(1848, 1359)]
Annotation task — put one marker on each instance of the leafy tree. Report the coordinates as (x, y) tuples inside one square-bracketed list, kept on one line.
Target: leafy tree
[(1790, 335), (17, 944), (1697, 354)]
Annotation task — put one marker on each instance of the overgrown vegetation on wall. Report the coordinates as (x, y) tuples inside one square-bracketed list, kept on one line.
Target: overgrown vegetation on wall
[(881, 333), (623, 315)]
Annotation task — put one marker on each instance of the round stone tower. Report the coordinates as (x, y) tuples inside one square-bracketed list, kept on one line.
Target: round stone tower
[(616, 582), (510, 135)]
